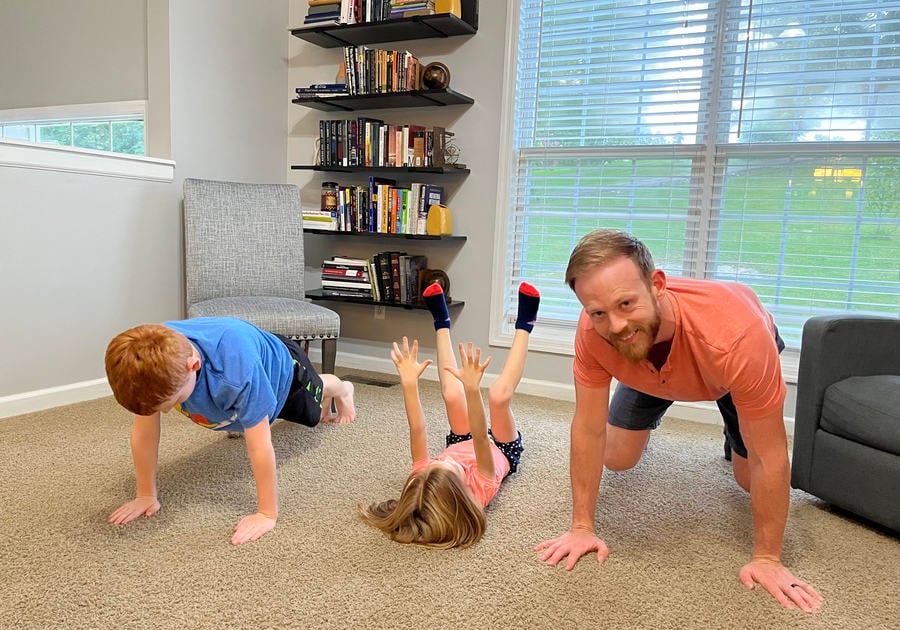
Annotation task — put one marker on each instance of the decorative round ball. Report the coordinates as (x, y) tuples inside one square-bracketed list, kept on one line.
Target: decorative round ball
[(435, 76)]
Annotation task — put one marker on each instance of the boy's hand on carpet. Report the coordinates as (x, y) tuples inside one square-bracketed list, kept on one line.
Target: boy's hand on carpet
[(773, 576), (141, 506), (574, 544), (251, 528)]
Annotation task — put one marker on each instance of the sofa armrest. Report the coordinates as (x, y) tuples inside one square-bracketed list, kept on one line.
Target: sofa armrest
[(835, 347)]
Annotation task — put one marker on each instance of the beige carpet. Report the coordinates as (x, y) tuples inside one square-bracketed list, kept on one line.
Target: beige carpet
[(677, 526)]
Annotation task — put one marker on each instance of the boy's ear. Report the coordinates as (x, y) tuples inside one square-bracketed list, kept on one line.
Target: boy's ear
[(193, 363)]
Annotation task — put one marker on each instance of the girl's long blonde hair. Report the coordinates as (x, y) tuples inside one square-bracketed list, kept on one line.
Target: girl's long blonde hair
[(435, 509)]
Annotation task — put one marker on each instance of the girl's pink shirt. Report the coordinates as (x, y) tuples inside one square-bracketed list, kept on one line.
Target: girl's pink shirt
[(463, 453)]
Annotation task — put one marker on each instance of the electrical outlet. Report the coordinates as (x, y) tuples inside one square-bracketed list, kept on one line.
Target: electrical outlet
[(379, 312)]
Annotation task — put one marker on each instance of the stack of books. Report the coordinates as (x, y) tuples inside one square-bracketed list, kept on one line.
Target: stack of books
[(409, 8), (319, 220), (346, 277), (322, 90), (323, 12)]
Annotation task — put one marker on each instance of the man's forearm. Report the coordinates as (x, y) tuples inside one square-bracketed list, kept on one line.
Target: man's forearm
[(769, 500), (585, 470)]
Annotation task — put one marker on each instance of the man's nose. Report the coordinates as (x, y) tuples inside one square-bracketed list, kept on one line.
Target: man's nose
[(617, 324)]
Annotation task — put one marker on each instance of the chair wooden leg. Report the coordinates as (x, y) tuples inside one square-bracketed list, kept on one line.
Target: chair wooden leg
[(329, 355)]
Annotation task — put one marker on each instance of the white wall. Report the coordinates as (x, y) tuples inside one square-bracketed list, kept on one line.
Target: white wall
[(83, 257), (66, 53)]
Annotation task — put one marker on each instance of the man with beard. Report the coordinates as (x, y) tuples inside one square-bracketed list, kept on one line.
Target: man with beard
[(666, 339)]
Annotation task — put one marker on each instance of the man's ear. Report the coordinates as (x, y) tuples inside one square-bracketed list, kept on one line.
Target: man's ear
[(658, 281)]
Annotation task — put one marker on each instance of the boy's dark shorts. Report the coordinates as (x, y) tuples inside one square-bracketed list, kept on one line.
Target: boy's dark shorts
[(512, 451), (634, 410), (304, 401)]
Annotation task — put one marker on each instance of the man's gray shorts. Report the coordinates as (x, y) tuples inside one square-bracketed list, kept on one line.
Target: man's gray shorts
[(634, 410)]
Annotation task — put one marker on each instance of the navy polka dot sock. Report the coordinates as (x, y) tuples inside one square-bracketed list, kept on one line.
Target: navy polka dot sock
[(434, 300), (529, 299)]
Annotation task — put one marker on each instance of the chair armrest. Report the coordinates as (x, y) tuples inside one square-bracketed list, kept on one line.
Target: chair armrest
[(835, 347)]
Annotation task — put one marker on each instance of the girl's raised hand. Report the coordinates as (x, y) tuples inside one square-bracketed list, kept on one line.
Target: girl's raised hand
[(471, 368), (406, 360)]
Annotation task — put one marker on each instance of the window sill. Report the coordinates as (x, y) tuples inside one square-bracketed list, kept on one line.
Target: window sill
[(71, 160)]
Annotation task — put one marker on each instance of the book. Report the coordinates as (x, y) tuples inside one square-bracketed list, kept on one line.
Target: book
[(383, 265), (395, 275), (415, 266), (318, 9), (322, 89), (324, 18), (374, 209), (373, 280), (319, 220), (336, 272), (346, 293), (346, 261), (314, 23), (362, 285)]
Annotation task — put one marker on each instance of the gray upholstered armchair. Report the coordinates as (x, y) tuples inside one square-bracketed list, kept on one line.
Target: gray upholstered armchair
[(244, 258), (847, 421)]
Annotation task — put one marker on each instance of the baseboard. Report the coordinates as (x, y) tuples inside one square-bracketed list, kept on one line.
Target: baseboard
[(702, 412), (41, 399)]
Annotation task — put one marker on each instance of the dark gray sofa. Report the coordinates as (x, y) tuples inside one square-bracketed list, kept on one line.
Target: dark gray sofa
[(847, 420)]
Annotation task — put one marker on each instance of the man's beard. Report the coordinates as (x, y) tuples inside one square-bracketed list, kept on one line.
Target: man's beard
[(639, 349)]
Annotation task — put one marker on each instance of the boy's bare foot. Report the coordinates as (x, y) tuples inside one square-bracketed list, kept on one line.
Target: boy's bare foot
[(343, 402)]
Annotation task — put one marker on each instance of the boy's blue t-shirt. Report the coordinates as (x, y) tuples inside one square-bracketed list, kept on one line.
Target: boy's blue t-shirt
[(245, 373)]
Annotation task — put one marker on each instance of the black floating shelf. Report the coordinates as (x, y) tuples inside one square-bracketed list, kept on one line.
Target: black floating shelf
[(411, 237), (385, 170), (392, 100), (417, 27), (317, 295)]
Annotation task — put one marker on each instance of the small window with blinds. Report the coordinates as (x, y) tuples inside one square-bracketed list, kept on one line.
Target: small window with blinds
[(755, 141)]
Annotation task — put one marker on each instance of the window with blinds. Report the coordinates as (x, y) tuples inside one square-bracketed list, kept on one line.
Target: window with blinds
[(755, 141)]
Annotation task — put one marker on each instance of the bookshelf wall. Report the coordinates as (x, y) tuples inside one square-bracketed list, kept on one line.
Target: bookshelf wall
[(339, 35)]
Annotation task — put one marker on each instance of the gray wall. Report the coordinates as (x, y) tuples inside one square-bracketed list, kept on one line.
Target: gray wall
[(66, 53), (82, 257)]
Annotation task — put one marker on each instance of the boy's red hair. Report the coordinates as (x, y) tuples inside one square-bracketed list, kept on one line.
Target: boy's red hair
[(146, 366)]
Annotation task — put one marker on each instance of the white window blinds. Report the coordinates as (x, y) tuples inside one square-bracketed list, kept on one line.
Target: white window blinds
[(757, 142)]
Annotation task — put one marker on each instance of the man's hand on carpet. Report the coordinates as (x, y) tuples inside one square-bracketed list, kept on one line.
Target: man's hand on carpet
[(141, 506), (251, 528), (773, 576), (574, 544)]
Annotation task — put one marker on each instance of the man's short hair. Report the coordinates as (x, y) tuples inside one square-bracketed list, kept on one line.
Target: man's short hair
[(604, 245), (146, 366)]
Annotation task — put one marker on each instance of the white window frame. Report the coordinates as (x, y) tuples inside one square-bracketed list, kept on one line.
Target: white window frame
[(23, 154)]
